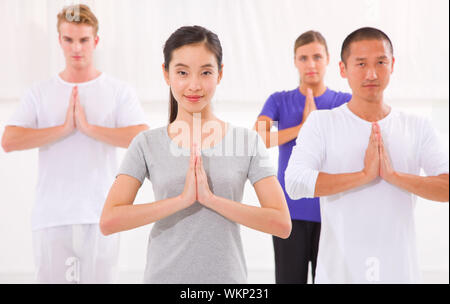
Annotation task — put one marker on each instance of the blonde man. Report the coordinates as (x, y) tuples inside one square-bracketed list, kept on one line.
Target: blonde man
[(76, 119)]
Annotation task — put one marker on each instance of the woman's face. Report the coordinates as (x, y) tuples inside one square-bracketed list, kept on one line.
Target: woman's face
[(193, 76), (311, 61)]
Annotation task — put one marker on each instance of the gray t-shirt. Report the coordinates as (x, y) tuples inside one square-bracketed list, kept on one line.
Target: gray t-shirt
[(197, 244)]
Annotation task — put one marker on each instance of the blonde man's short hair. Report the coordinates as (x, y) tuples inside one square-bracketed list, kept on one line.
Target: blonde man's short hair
[(80, 14)]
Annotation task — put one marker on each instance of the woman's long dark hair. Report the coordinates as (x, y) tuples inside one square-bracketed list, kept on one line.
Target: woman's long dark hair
[(184, 36)]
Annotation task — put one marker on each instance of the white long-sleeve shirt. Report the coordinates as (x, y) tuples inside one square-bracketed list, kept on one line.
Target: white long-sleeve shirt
[(367, 233)]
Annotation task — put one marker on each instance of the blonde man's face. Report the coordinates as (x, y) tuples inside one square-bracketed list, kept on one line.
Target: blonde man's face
[(78, 43)]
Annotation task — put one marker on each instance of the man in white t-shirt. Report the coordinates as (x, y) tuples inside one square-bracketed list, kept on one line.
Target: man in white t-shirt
[(364, 159), (76, 119)]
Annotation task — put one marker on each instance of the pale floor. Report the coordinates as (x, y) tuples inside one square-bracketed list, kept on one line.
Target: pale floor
[(254, 277)]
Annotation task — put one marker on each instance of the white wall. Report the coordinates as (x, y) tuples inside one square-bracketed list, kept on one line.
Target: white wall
[(257, 37)]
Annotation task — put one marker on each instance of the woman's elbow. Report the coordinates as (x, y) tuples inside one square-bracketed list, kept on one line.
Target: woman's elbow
[(285, 229), (283, 225), (107, 224)]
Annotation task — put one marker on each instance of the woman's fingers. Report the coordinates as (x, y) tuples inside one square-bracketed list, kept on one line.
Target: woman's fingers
[(200, 171), (193, 158), (310, 99)]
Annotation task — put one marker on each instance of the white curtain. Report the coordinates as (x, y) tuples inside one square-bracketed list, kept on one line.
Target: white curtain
[(257, 38)]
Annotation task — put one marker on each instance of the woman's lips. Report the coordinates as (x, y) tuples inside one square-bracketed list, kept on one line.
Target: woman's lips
[(193, 98)]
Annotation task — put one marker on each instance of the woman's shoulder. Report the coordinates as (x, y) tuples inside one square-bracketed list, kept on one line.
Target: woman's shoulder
[(284, 94), (156, 135), (242, 130), (243, 135), (340, 95)]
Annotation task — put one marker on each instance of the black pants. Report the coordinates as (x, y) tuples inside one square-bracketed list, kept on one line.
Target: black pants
[(293, 254)]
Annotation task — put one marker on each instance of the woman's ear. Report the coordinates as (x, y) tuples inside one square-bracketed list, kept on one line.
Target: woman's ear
[(166, 74), (220, 74)]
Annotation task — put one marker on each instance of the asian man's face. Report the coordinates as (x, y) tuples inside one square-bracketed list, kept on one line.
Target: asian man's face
[(368, 68)]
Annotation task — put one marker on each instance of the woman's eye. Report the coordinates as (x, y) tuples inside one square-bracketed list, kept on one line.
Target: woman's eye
[(182, 73), (207, 73)]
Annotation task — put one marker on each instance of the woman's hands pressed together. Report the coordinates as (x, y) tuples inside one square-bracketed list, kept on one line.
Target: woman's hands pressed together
[(196, 187), (204, 194)]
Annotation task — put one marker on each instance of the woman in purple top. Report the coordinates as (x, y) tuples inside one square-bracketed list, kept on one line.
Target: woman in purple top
[(289, 110)]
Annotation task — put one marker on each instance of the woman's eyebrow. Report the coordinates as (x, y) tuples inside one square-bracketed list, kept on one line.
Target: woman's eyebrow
[(208, 65)]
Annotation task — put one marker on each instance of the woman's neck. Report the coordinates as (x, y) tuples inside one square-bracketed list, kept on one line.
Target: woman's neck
[(318, 89), (204, 128), (191, 118)]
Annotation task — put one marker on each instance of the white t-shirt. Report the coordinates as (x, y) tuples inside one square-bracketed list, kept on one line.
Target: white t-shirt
[(367, 233), (76, 172)]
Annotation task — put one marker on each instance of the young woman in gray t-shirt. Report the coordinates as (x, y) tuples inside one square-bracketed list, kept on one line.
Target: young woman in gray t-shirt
[(198, 187)]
